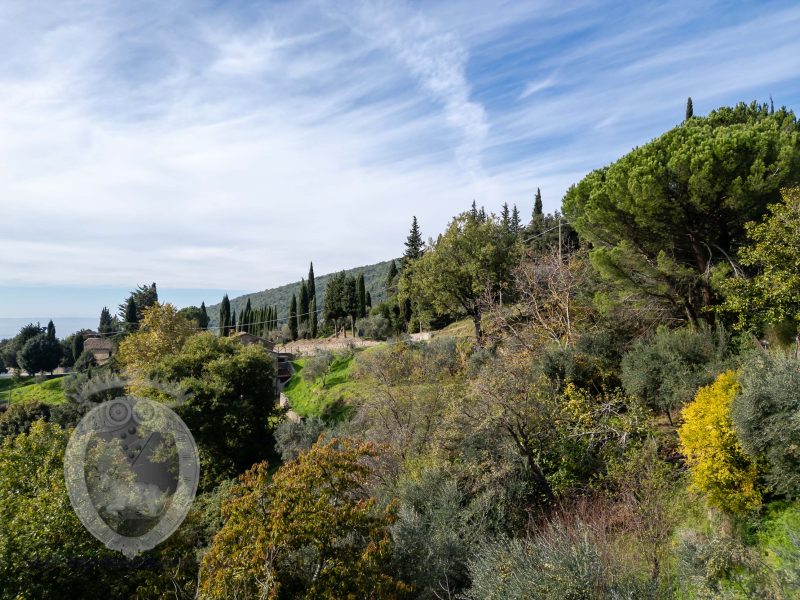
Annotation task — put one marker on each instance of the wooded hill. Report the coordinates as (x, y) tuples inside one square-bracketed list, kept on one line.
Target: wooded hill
[(374, 281)]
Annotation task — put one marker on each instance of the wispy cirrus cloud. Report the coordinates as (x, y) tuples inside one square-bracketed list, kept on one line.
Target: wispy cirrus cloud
[(225, 145)]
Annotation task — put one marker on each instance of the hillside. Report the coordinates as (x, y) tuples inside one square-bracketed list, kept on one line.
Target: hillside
[(374, 280)]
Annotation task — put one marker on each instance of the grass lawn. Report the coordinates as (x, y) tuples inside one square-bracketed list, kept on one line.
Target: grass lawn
[(49, 392), (310, 399)]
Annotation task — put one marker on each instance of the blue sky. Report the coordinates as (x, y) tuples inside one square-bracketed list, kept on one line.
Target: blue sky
[(220, 146)]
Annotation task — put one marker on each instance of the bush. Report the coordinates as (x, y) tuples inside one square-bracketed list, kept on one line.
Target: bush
[(292, 438), (85, 361), (665, 371), (719, 466), (317, 367), (563, 562), (764, 415), (374, 327), (18, 418), (437, 527)]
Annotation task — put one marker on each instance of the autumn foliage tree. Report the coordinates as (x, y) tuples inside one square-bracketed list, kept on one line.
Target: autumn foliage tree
[(719, 466), (162, 332), (311, 532)]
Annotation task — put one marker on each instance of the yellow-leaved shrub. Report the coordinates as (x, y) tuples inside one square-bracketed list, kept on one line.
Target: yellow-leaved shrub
[(718, 465)]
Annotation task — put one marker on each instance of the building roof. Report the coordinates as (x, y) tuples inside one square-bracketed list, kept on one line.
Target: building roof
[(99, 344), (248, 339)]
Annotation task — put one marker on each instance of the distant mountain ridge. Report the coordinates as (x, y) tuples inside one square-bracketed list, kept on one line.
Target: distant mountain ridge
[(374, 281)]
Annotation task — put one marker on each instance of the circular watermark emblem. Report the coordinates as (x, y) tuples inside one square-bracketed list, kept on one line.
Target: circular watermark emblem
[(131, 469)]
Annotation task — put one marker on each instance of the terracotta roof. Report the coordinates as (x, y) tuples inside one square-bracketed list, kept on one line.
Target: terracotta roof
[(248, 338), (98, 344)]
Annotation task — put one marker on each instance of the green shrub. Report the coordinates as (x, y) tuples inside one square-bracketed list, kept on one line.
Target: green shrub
[(374, 327), (666, 370), (765, 417)]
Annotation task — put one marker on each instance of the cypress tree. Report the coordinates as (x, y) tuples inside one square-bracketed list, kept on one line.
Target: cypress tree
[(225, 316), (131, 314), (51, 331), (689, 108), (350, 301), (314, 325), (233, 322), (413, 243), (391, 276), (203, 316), (77, 345), (293, 317), (369, 301), (247, 317), (303, 302), (312, 286), (361, 292), (537, 225)]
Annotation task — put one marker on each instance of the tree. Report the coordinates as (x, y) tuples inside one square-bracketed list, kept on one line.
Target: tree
[(662, 217), (664, 370), (247, 317), (332, 307), (225, 316), (314, 319), (304, 303), (13, 346), (764, 416), (77, 344), (391, 278), (361, 296), (516, 221), (41, 535), (40, 353), (203, 317), (231, 390), (51, 331), (413, 243), (106, 325), (505, 217), (537, 221), (469, 263), (719, 466), (144, 297), (689, 109), (293, 317), (772, 295), (162, 332), (369, 301), (312, 532), (548, 305), (131, 315), (312, 286), (350, 301), (197, 315)]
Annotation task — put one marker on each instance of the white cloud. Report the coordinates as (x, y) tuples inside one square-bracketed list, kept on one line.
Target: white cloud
[(152, 142)]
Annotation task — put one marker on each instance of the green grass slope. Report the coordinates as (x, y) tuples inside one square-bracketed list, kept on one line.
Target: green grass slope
[(49, 392), (374, 281), (311, 399)]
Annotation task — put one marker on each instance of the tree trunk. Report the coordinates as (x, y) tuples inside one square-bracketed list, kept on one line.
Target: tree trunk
[(476, 319), (705, 286)]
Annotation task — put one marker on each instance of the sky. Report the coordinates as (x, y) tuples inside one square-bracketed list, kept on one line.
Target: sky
[(219, 147)]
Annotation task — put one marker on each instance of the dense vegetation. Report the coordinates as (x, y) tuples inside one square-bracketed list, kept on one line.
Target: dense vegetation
[(616, 417)]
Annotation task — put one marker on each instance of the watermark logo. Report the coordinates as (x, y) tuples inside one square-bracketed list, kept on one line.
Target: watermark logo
[(131, 469)]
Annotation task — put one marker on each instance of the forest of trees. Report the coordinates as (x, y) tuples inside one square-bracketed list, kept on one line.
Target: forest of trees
[(607, 408)]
